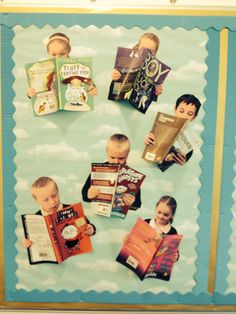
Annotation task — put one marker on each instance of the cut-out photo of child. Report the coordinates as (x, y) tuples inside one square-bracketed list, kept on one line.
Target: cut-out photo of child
[(151, 42), (117, 151), (46, 193), (187, 106)]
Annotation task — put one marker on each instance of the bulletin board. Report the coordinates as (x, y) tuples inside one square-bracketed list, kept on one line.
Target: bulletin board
[(200, 48)]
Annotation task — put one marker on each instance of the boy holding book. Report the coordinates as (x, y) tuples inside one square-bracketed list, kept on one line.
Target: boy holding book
[(187, 107), (46, 193), (117, 151)]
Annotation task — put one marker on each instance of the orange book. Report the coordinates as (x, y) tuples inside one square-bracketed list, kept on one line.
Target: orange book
[(58, 236)]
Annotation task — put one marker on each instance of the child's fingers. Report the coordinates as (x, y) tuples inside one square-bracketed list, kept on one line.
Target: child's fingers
[(92, 91), (180, 159), (128, 199)]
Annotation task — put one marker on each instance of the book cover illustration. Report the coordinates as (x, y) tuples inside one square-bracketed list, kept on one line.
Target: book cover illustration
[(42, 79), (128, 181), (104, 177), (140, 74), (147, 255), (166, 129), (74, 81), (60, 84), (57, 236), (152, 73), (128, 62)]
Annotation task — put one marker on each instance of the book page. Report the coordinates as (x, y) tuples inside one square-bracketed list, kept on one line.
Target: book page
[(139, 248), (41, 249), (104, 178), (162, 263)]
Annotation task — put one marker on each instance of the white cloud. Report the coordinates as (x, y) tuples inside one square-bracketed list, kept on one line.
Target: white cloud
[(231, 290), (21, 134), (22, 286), (49, 281), (101, 144), (64, 180), (22, 185), (158, 185), (108, 108), (59, 151), (156, 290), (105, 129), (102, 265), (190, 283), (232, 267), (80, 51), (197, 127), (103, 79), (23, 108), (187, 226), (76, 188), (18, 28), (134, 158), (49, 125), (110, 236), (202, 44), (188, 72), (19, 73), (195, 182), (104, 285)]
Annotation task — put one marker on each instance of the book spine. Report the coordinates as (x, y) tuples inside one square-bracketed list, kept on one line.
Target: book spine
[(58, 85), (54, 240)]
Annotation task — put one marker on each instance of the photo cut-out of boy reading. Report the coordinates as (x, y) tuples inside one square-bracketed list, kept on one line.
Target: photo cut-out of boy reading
[(114, 170), (69, 220), (151, 248), (138, 75), (171, 139), (43, 77)]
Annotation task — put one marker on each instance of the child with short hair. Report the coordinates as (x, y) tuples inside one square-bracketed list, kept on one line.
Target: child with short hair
[(117, 151), (46, 193), (187, 106), (58, 45), (165, 211), (151, 42)]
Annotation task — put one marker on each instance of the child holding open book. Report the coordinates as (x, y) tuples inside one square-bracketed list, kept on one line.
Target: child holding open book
[(46, 193), (187, 106), (58, 45), (149, 41), (117, 151)]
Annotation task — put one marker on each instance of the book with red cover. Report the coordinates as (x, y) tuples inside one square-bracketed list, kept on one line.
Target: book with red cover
[(128, 182), (57, 236), (146, 254)]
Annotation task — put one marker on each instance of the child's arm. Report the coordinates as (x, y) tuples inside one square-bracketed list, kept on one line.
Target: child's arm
[(88, 192), (115, 75)]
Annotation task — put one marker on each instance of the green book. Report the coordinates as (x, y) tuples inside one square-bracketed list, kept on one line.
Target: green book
[(60, 84)]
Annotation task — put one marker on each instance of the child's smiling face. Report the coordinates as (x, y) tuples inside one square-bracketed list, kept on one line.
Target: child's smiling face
[(57, 49), (186, 111), (163, 214), (47, 197)]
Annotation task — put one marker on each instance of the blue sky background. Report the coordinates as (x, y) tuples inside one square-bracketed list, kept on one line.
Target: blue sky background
[(63, 145)]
